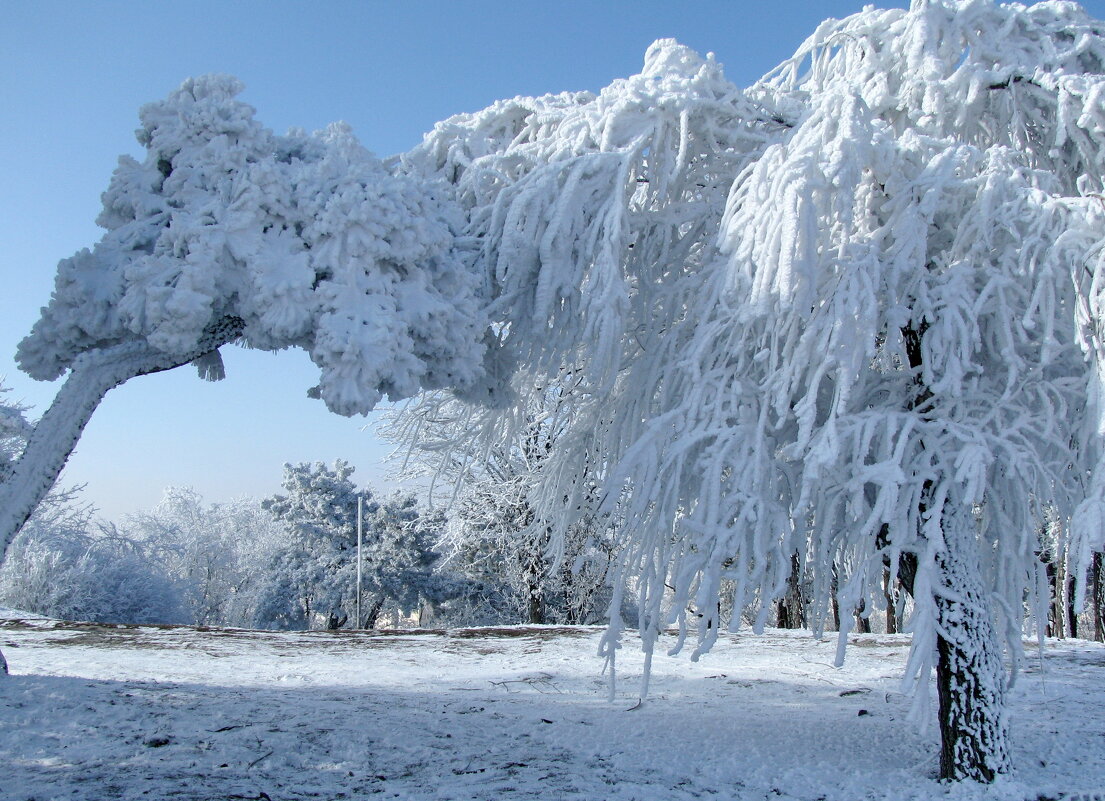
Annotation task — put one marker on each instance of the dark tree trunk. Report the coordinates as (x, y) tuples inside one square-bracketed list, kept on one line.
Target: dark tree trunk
[(534, 570), (891, 602), (1098, 599), (834, 587), (1054, 606), (1072, 610), (790, 610), (863, 622), (535, 605), (782, 614), (970, 679), (373, 614)]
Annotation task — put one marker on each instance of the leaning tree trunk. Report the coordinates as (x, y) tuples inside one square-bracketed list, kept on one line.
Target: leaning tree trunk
[(373, 616), (970, 677), (56, 434)]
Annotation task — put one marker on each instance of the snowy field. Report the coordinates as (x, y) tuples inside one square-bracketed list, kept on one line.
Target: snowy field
[(138, 712)]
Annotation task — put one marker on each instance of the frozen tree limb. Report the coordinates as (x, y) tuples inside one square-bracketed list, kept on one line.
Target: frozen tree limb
[(54, 437)]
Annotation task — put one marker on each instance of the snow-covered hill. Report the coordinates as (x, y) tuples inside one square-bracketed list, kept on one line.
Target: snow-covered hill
[(128, 712)]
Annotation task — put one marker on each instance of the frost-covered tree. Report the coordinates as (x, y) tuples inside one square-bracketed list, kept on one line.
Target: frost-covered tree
[(482, 463), (401, 570), (66, 566), (227, 233), (311, 580), (14, 430), (853, 311), (309, 576), (212, 551), (494, 538)]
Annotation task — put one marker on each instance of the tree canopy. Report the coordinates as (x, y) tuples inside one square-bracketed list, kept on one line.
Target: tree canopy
[(851, 312), (306, 239)]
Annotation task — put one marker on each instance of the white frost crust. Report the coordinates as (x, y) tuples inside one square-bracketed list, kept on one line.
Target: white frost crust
[(307, 238)]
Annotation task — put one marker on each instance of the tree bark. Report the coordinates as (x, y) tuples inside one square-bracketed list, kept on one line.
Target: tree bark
[(891, 602), (535, 607), (373, 615), (1072, 608), (1098, 599), (790, 610), (863, 622), (970, 678), (1055, 604), (782, 614), (534, 571)]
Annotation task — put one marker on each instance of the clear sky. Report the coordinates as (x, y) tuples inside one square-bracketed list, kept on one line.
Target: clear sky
[(73, 74)]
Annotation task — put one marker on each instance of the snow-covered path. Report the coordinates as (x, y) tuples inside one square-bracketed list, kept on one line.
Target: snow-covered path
[(102, 712)]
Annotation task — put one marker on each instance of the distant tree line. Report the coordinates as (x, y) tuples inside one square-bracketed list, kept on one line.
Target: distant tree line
[(289, 562)]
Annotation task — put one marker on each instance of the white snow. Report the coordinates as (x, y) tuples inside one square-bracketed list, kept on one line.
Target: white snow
[(128, 712)]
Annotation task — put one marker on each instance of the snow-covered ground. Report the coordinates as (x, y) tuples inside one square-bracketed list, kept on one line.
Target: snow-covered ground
[(130, 712)]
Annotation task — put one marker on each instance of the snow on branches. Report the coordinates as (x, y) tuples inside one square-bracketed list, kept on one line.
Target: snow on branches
[(304, 239), (312, 577), (14, 430), (852, 313), (584, 208)]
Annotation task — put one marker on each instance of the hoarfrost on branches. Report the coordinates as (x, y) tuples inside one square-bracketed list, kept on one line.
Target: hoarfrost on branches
[(488, 460), (310, 581), (64, 566), (213, 552), (14, 430), (305, 239), (852, 312)]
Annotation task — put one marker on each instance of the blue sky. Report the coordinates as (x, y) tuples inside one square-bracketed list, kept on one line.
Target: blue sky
[(72, 76)]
